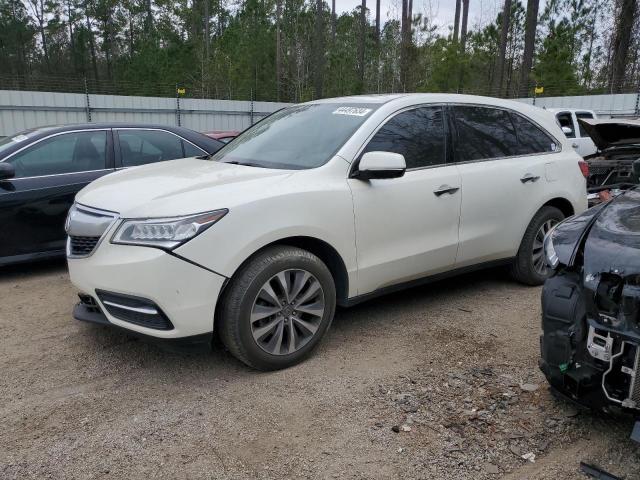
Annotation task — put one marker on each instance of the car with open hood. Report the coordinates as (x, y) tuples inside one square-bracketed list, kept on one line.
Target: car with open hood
[(611, 168), (366, 195), (590, 345)]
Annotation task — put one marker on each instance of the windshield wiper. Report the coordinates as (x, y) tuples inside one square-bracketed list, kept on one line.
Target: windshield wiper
[(245, 164)]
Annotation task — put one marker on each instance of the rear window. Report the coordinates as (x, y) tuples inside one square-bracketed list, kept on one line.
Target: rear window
[(484, 133), (531, 138)]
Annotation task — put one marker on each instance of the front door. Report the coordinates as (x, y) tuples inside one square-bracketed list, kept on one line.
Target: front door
[(407, 227), (34, 204)]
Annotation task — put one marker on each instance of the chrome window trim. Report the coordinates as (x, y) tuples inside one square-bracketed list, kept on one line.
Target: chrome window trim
[(446, 164), (515, 112), (117, 129), (59, 174), (55, 135)]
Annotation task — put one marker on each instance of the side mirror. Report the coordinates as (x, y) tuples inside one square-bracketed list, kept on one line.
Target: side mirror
[(7, 171), (567, 130), (377, 165)]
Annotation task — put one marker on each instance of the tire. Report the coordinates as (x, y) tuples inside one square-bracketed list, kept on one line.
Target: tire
[(269, 337), (524, 268)]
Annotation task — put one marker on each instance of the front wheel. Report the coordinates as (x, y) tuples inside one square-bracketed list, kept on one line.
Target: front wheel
[(277, 308), (529, 266)]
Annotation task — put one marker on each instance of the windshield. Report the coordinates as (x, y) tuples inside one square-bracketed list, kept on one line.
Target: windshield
[(298, 137)]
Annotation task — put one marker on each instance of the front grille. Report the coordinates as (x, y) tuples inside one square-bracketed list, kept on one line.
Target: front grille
[(82, 246), (599, 170), (136, 310), (635, 382)]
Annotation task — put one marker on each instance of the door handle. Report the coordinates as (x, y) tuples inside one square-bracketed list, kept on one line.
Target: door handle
[(529, 178), (445, 189)]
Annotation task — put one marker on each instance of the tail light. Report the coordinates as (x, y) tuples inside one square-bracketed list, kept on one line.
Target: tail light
[(584, 168)]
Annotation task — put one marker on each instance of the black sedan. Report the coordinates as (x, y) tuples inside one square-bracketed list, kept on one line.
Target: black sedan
[(41, 170), (590, 348)]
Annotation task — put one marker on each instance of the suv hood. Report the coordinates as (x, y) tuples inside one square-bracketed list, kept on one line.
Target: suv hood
[(612, 132), (178, 187)]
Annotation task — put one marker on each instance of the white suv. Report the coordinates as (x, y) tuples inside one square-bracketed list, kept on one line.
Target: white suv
[(321, 204)]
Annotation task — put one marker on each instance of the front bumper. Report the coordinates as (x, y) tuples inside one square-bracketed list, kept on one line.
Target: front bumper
[(186, 293)]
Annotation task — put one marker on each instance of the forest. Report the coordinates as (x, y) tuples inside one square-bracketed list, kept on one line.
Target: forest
[(297, 50)]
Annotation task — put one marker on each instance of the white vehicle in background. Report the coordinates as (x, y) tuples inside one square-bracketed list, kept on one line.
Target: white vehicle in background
[(567, 118), (321, 204)]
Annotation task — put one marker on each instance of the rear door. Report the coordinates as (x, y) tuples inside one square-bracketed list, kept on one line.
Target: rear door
[(505, 170), (407, 227), (49, 173), (136, 147)]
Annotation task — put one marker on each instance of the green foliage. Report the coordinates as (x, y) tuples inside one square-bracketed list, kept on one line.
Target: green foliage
[(219, 49)]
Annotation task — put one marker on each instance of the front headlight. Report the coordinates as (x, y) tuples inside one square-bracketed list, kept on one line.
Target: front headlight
[(167, 233), (550, 254)]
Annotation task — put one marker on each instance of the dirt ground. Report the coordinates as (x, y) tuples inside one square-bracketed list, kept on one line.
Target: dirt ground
[(437, 382)]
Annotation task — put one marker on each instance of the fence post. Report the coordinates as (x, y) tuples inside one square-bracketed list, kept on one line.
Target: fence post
[(86, 100), (177, 106), (251, 111)]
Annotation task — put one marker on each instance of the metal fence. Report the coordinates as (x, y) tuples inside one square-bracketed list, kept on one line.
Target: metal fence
[(611, 105), (20, 110)]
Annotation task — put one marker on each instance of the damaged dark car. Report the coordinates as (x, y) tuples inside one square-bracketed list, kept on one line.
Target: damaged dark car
[(590, 345), (615, 166)]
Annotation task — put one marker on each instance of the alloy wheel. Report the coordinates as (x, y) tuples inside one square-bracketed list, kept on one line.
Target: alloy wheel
[(287, 312), (539, 262)]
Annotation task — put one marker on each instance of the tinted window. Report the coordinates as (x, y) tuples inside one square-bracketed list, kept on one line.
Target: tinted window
[(417, 134), (66, 153), (532, 138), (191, 150), (565, 120), (484, 133), (583, 132), (298, 137), (139, 147)]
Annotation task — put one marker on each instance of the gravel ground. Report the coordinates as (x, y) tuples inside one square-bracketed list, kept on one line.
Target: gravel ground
[(437, 382)]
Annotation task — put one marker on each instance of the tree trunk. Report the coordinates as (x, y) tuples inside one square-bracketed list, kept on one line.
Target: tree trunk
[(361, 45), (207, 30), (72, 45), (586, 72), (404, 47), (279, 49), (319, 51), (92, 44), (377, 21), (463, 28), (621, 42), (148, 21), (456, 21), (463, 41), (531, 24), (502, 50), (333, 20)]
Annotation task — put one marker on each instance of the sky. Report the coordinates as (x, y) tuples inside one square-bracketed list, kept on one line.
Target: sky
[(481, 12)]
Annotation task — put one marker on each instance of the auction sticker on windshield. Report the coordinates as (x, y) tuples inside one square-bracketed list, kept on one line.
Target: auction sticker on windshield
[(354, 111)]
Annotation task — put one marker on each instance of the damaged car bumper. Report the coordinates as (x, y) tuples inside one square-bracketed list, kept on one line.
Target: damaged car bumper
[(590, 343)]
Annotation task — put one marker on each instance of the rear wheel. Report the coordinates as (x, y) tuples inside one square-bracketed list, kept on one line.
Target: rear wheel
[(277, 308), (529, 266)]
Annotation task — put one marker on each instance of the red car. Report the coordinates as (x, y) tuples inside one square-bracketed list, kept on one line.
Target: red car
[(224, 136)]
